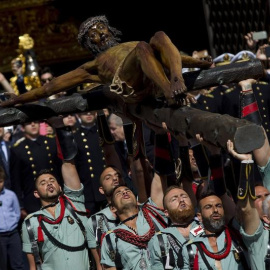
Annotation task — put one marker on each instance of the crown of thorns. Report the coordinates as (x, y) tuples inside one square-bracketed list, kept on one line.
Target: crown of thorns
[(92, 21)]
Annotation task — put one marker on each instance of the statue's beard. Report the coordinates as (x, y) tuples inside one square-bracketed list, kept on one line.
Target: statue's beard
[(214, 226), (99, 49)]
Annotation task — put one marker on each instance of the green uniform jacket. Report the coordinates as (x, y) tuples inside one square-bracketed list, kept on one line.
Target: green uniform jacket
[(66, 232)]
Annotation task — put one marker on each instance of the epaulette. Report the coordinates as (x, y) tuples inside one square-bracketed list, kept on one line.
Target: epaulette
[(261, 82), (18, 142), (229, 90), (50, 136), (208, 95)]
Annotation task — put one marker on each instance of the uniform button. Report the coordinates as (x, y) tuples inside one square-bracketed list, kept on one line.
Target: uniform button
[(47, 147), (264, 108), (258, 88), (50, 161), (104, 166), (82, 134), (51, 169), (84, 140), (34, 172), (89, 160), (267, 130), (264, 115), (87, 153), (91, 168), (260, 94), (204, 101), (49, 155), (92, 175), (207, 108), (86, 146), (30, 158), (266, 123), (102, 151), (262, 100), (45, 142), (33, 165), (103, 158), (29, 152), (26, 147)]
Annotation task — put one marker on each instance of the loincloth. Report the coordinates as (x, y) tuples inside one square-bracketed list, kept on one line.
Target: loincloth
[(126, 91)]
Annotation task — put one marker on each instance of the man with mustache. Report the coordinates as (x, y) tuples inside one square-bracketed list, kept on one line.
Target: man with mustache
[(218, 247), (165, 247), (54, 237)]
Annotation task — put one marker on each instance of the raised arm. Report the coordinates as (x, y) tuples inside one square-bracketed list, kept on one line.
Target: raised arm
[(249, 215), (218, 178), (67, 150), (250, 111)]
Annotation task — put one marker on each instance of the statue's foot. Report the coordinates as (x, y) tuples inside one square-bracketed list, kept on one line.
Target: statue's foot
[(178, 87)]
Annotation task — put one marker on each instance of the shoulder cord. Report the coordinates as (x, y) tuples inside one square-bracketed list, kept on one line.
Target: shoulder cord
[(34, 245), (152, 211), (203, 256), (192, 260), (191, 255), (61, 245)]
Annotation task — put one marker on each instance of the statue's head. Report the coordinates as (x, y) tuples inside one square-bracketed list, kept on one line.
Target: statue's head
[(96, 35)]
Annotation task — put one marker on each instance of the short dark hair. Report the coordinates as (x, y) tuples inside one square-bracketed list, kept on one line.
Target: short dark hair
[(204, 194), (114, 168), (113, 191), (45, 70), (44, 171)]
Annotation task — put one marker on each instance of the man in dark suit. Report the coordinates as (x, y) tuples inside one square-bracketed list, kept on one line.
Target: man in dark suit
[(90, 160), (29, 155)]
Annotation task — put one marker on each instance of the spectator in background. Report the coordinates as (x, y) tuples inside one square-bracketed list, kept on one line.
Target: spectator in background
[(10, 213), (46, 75), (5, 158), (71, 121)]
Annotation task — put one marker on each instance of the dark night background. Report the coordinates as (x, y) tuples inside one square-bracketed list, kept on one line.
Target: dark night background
[(183, 22)]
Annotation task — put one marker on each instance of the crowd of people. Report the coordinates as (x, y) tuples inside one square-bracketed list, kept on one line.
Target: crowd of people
[(81, 191)]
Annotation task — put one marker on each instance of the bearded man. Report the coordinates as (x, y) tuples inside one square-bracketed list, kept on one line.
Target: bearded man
[(218, 246), (166, 245)]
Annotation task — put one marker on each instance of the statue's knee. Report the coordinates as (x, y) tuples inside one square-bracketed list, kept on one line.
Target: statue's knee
[(159, 37), (160, 34), (143, 47)]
